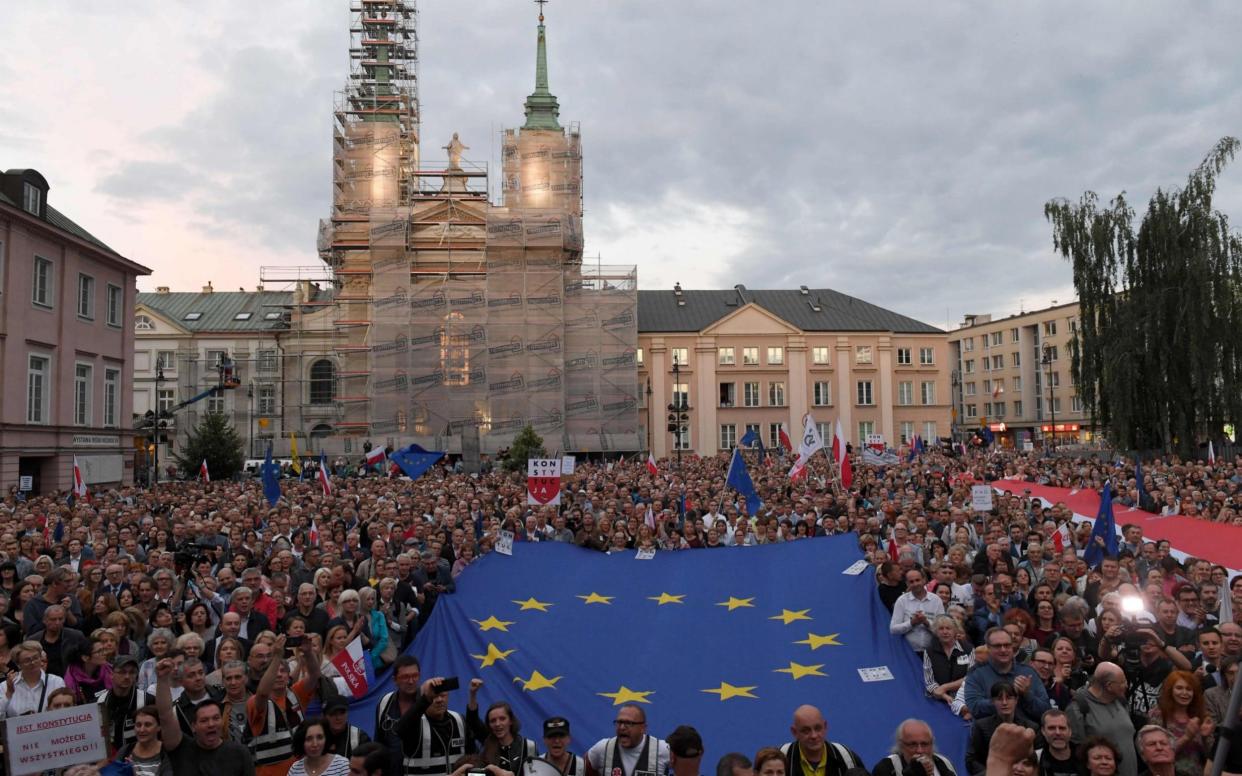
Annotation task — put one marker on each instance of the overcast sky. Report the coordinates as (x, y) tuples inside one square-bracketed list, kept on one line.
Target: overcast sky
[(899, 152)]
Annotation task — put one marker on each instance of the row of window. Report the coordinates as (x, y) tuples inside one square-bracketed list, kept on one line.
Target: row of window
[(997, 338), (821, 393), (43, 293), (997, 409), (39, 393), (729, 433), (266, 361), (863, 354)]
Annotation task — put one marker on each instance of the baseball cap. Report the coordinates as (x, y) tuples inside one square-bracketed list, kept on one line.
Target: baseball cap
[(335, 703), (555, 726), (124, 660), (685, 741)]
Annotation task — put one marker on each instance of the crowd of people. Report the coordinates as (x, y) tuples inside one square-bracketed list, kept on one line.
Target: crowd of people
[(203, 621)]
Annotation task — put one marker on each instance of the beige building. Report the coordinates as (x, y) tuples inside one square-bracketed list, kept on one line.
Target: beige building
[(1006, 372), (763, 358)]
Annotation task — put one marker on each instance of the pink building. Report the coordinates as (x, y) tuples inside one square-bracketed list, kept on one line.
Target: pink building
[(66, 346)]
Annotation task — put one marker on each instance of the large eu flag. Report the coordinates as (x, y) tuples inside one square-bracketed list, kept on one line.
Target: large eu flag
[(730, 641)]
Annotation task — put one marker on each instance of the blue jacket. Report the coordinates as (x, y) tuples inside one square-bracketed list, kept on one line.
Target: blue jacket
[(979, 683)]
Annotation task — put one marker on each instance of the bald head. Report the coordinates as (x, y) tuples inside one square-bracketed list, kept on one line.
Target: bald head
[(809, 729)]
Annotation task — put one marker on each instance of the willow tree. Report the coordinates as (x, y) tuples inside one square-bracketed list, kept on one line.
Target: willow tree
[(1158, 357)]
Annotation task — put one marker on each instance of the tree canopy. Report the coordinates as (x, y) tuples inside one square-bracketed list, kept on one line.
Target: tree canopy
[(1158, 357), (215, 440), (527, 444)]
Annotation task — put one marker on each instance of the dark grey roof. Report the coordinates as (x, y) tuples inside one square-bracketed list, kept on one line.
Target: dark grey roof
[(65, 224), (658, 311), (220, 308)]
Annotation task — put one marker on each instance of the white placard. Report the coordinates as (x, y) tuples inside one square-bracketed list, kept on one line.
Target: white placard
[(875, 674), (55, 739), (1028, 446), (567, 464), (981, 498), (644, 555), (25, 483), (504, 545), (856, 568), (543, 481)]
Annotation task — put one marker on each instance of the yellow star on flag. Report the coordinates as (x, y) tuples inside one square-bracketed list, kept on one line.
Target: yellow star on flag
[(738, 603), (596, 598), (815, 641), (493, 655), (667, 598), (531, 603), (537, 681), (797, 670), (491, 623), (786, 616), (727, 691), (626, 695)]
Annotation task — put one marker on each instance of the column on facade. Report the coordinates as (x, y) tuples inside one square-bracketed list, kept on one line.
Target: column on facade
[(706, 396), (661, 387), (884, 351), (795, 350), (845, 391)]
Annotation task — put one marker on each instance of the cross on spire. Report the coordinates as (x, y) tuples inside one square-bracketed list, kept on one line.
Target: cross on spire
[(541, 3)]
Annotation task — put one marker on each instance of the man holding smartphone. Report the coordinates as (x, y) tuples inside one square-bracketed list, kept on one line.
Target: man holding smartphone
[(432, 737)]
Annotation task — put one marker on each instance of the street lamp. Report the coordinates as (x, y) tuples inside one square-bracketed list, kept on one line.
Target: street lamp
[(678, 412), (650, 420), (1052, 407), (155, 425)]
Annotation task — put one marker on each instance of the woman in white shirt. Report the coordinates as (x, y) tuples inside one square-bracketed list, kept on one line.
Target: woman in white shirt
[(26, 690)]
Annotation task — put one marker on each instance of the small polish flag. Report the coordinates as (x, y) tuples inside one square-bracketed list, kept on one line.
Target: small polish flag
[(1062, 537), (354, 666), (375, 456), (651, 464), (325, 480), (1211, 454), (79, 484), (312, 535), (202, 472), (649, 518), (783, 437)]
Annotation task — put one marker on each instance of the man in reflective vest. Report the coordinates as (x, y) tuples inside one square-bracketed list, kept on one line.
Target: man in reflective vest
[(810, 753), (406, 675), (432, 737), (275, 709), (631, 752), (343, 738), (119, 704), (914, 753), (556, 746)]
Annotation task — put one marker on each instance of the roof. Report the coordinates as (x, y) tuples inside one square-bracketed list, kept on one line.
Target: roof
[(60, 221), (220, 308), (659, 311)]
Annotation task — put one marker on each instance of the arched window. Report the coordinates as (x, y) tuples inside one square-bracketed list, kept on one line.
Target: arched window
[(322, 382), (143, 323)]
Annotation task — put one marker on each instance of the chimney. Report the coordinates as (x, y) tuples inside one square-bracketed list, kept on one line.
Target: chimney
[(259, 288), (161, 289), (207, 289)]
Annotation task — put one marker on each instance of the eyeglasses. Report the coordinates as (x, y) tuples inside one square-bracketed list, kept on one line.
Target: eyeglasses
[(627, 723)]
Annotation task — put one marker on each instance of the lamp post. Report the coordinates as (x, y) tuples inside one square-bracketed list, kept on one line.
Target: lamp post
[(1052, 410), (678, 412), (650, 418), (155, 425)]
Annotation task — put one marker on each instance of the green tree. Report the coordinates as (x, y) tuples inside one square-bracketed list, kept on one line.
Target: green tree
[(1158, 357), (215, 440), (527, 444)]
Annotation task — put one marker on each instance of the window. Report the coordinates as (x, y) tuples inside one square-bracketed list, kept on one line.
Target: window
[(38, 389), (774, 435), (1017, 409), (86, 296), (32, 198), (821, 394), (215, 358), (864, 397), (1075, 404), (267, 399), (1013, 334), (972, 411), (115, 303), (903, 357), (996, 338), (1015, 358), (455, 349), (825, 433), (750, 356), (322, 382), (1055, 382), (927, 392), (998, 361), (1073, 325), (143, 323), (243, 316), (42, 294), (862, 354), (1017, 384), (905, 393), (750, 394), (998, 386), (728, 436), (1050, 328), (166, 360), (927, 356), (970, 365), (267, 361), (274, 316), (865, 429), (819, 355), (681, 356), (725, 357), (1051, 353), (638, 355), (929, 431), (968, 344), (776, 394), (907, 431), (987, 408), (998, 409), (215, 404), (1056, 405), (82, 395), (987, 363), (970, 389), (728, 394), (192, 316), (112, 397), (681, 438), (165, 400), (776, 355), (681, 394)]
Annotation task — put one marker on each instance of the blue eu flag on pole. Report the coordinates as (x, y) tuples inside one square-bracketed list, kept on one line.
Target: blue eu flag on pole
[(750, 438), (1105, 528), (559, 630), (414, 460), (271, 478), (739, 479)]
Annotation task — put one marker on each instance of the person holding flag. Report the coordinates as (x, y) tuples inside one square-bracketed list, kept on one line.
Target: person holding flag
[(270, 472), (325, 475), (1103, 542), (203, 474), (295, 463), (739, 479), (812, 442), (841, 456)]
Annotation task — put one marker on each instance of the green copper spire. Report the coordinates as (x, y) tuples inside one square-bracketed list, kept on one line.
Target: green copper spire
[(542, 109)]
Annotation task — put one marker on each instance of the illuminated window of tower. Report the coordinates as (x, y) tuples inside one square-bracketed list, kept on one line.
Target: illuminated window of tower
[(455, 350)]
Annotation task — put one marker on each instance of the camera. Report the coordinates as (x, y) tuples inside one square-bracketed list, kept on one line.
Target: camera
[(189, 554)]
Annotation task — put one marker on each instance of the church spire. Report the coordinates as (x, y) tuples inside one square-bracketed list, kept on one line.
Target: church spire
[(542, 109)]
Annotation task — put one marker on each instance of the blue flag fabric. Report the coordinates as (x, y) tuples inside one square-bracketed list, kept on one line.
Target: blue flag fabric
[(1105, 528), (730, 642), (750, 438), (1143, 498), (739, 479), (271, 478), (414, 460)]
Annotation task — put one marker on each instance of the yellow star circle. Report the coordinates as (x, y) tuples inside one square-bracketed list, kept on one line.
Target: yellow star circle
[(786, 616), (815, 641), (596, 598), (626, 695), (491, 623), (738, 603), (667, 598), (727, 691), (797, 670), (532, 603)]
